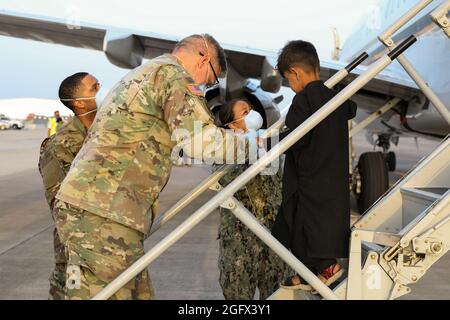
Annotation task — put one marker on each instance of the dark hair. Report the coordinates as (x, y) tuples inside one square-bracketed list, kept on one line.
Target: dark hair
[(69, 86), (226, 112), (300, 53), (212, 43)]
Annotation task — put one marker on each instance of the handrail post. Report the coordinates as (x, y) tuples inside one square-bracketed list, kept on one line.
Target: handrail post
[(205, 184), (264, 234), (386, 39), (427, 91), (330, 83), (386, 36), (188, 198), (371, 118), (439, 16), (251, 172)]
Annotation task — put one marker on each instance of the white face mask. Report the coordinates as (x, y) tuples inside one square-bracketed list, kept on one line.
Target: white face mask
[(100, 95), (86, 113), (96, 97), (79, 99), (253, 120)]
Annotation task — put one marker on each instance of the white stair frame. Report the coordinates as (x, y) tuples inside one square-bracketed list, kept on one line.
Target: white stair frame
[(225, 198)]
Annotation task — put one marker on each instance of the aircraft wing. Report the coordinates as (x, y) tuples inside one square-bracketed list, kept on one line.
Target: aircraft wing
[(127, 48), (124, 48)]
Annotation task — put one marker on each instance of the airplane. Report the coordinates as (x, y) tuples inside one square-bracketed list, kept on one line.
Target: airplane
[(412, 115)]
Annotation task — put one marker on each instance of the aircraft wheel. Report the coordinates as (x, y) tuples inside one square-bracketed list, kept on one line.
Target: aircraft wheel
[(373, 172), (391, 160)]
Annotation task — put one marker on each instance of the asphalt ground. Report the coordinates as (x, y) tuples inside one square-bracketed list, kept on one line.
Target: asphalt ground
[(188, 270)]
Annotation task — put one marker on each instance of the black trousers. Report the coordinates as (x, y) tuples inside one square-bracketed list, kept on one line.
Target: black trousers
[(316, 265), (288, 231)]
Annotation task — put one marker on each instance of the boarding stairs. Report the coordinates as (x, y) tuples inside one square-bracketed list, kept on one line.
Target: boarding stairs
[(400, 237), (393, 244)]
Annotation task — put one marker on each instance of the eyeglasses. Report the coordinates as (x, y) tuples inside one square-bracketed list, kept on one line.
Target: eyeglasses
[(214, 73)]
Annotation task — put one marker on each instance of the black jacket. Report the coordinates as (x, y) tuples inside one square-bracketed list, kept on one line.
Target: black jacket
[(316, 176)]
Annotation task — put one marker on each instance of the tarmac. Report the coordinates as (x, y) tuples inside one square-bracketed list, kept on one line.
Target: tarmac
[(188, 270)]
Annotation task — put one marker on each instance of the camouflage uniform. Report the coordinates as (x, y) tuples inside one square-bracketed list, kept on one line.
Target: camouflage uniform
[(98, 250), (126, 159), (56, 155), (245, 262)]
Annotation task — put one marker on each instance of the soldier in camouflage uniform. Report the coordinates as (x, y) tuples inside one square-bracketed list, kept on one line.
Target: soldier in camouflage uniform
[(245, 262), (108, 201), (57, 152)]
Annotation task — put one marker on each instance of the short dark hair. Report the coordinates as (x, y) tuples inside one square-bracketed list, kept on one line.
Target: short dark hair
[(300, 53), (212, 43), (69, 86), (226, 112)]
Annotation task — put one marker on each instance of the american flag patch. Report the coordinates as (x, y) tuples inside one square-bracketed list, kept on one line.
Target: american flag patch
[(195, 90)]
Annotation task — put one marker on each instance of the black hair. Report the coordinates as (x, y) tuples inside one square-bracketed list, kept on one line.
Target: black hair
[(69, 86), (226, 112), (212, 43), (300, 53)]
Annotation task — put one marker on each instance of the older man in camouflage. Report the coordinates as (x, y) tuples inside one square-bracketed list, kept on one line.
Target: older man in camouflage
[(108, 201), (76, 92)]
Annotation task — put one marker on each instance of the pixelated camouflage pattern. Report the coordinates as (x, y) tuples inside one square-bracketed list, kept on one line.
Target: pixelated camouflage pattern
[(245, 262), (97, 251), (56, 155), (126, 159)]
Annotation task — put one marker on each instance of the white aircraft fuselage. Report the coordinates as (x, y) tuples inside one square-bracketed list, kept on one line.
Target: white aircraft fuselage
[(430, 56)]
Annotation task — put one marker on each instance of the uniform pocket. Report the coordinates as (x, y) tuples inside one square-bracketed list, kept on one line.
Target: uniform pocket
[(52, 173)]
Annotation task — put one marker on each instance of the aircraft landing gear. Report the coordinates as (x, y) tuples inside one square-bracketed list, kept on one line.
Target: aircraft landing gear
[(391, 160), (372, 179), (384, 141)]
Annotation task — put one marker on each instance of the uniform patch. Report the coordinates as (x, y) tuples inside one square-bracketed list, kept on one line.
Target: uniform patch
[(195, 90)]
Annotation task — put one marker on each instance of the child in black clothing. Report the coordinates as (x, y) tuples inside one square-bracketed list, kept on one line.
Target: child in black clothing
[(314, 219)]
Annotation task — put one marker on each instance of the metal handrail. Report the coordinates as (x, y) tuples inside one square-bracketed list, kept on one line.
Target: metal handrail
[(200, 214), (439, 16), (404, 19), (223, 170), (386, 39), (251, 172)]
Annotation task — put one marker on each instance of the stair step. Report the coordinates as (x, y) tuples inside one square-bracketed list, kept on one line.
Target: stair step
[(428, 194), (288, 294), (416, 200), (435, 190)]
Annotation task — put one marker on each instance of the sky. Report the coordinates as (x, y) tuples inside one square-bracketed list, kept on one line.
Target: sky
[(34, 70)]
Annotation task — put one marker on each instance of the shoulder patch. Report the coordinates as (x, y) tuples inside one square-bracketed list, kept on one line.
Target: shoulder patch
[(44, 143), (189, 79), (195, 90)]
